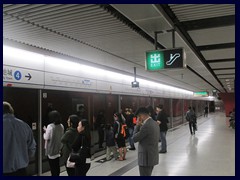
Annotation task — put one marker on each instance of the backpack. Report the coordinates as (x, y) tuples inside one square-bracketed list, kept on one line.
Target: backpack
[(194, 118), (124, 131), (191, 117)]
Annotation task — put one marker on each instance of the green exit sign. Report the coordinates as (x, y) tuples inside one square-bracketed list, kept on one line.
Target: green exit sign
[(155, 60), (165, 59), (201, 94)]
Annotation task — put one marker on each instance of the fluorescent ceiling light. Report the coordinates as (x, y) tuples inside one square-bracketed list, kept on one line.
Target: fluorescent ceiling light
[(63, 64)]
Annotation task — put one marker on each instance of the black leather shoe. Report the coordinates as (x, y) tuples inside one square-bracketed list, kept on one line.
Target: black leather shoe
[(163, 152), (132, 148)]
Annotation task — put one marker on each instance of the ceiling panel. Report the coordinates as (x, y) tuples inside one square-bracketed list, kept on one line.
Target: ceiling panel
[(222, 65), (219, 54), (218, 35), (224, 71), (187, 12), (117, 37)]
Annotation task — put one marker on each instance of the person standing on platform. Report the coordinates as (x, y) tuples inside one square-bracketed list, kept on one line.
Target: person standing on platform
[(119, 138), (110, 143), (52, 136), (206, 111), (151, 112), (146, 132), (68, 139), (162, 121), (18, 143), (81, 113), (100, 123), (130, 125), (82, 144)]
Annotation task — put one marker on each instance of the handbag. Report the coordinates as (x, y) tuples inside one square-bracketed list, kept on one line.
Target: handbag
[(74, 157), (70, 164), (81, 155)]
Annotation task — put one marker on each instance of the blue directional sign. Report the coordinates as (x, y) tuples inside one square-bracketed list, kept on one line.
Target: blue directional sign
[(17, 75)]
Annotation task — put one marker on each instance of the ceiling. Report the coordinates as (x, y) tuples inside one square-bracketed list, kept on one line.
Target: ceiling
[(116, 37)]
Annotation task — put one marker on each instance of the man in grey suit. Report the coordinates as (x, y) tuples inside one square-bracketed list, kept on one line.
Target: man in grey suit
[(147, 134)]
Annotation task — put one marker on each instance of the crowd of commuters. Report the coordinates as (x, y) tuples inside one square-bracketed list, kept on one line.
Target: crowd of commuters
[(60, 143), (148, 127)]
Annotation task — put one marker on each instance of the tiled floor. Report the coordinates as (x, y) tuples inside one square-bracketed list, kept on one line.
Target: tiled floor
[(210, 152)]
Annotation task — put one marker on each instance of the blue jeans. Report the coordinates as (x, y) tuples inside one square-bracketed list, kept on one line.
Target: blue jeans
[(163, 140), (130, 140)]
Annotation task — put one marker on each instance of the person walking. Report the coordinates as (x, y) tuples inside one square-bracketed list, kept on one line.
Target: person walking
[(191, 118), (146, 132), (52, 136), (18, 143), (162, 121), (68, 139)]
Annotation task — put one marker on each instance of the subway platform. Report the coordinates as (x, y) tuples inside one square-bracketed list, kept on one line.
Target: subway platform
[(210, 152)]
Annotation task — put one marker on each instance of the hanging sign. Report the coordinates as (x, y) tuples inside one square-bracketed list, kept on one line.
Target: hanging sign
[(165, 59)]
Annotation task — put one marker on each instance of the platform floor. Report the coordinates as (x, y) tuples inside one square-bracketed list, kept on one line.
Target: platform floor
[(210, 152)]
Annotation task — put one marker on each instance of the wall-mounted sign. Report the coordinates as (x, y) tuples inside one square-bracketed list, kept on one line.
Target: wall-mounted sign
[(201, 94), (86, 82), (22, 75), (165, 59)]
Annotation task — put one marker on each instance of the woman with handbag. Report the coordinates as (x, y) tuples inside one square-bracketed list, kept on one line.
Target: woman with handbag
[(68, 140), (82, 145)]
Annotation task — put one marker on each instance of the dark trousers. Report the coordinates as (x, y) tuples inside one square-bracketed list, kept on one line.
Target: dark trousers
[(145, 170), (20, 172), (54, 166), (192, 127), (100, 137), (70, 171), (163, 140), (82, 169)]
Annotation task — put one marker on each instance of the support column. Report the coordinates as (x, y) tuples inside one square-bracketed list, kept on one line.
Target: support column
[(171, 113), (40, 133), (119, 103)]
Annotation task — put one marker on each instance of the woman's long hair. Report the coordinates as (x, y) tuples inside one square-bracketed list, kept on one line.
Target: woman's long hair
[(74, 119), (86, 131), (119, 116)]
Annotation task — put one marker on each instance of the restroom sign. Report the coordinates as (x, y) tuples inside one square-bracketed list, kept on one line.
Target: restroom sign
[(165, 59)]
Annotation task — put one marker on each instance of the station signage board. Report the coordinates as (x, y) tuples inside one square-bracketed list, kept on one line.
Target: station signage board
[(201, 94), (165, 59), (22, 75)]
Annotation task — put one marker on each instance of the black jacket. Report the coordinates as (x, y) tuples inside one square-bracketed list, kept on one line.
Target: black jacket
[(162, 117)]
